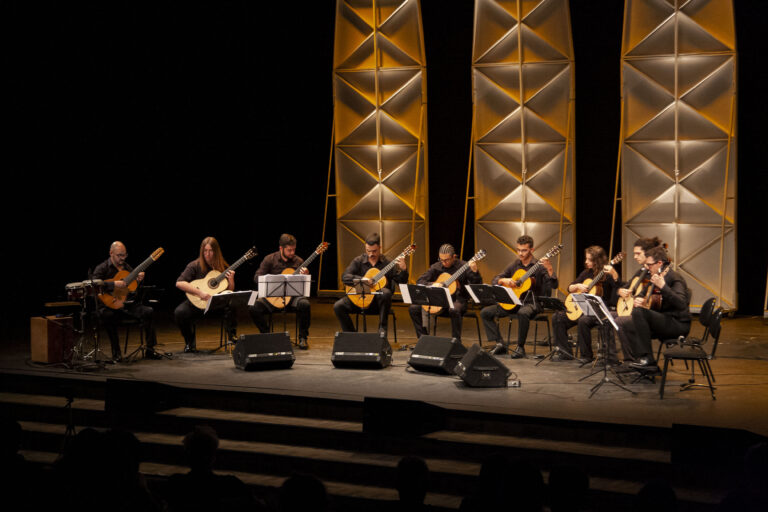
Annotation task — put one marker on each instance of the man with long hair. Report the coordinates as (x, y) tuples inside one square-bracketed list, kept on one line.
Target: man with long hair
[(186, 314), (595, 260)]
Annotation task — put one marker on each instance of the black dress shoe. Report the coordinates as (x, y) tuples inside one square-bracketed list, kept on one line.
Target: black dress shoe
[(303, 344), (644, 363), (151, 354), (190, 350), (518, 353), (499, 349), (558, 358), (117, 359)]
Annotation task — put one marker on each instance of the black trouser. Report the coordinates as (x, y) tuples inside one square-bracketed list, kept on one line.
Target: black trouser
[(456, 313), (261, 309), (561, 323), (524, 314), (625, 326), (111, 318), (382, 303), (186, 314), (648, 324)]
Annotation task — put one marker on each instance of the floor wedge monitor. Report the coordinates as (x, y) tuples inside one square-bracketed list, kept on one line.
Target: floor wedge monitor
[(263, 352), (480, 369), (361, 350), (436, 354)]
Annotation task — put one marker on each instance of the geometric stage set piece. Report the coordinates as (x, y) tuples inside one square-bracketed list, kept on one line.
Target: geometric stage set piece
[(522, 130), (678, 152), (379, 127)]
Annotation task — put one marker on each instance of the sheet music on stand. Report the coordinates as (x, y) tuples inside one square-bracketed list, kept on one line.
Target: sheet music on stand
[(284, 285), (426, 295), (361, 289), (227, 299), (487, 294), (593, 305)]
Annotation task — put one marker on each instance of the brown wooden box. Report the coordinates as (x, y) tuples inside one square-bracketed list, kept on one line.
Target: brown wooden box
[(51, 338)]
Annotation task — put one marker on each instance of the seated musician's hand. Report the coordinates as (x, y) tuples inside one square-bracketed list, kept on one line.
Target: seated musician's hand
[(231, 275), (473, 266), (547, 265), (366, 280), (658, 281), (401, 263), (305, 270), (120, 284), (204, 296), (581, 288), (639, 302), (623, 292)]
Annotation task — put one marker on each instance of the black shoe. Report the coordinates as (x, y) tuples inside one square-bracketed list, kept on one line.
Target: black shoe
[(586, 360), (558, 358), (232, 336), (151, 354), (644, 363), (303, 344), (518, 353), (117, 359), (190, 350), (499, 349)]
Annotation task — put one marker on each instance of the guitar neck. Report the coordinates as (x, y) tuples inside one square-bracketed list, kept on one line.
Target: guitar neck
[(136, 271), (306, 262), (218, 279)]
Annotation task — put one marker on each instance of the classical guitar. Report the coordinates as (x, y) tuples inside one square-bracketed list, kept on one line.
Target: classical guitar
[(524, 279), (449, 281), (378, 281), (573, 311), (215, 282), (653, 294), (625, 305), (116, 299), (281, 302)]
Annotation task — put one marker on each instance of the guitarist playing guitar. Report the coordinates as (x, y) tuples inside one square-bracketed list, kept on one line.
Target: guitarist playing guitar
[(283, 261), (598, 273), (458, 272), (110, 316), (542, 281)]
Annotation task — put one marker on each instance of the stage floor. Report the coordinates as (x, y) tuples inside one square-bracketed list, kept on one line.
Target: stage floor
[(552, 390)]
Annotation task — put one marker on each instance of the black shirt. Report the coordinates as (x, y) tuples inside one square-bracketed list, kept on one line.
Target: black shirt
[(609, 285), (542, 284), (107, 270), (274, 264), (436, 269), (360, 265)]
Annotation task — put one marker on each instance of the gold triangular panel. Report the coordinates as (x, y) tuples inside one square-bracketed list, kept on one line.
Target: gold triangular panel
[(536, 208), (548, 183), (393, 157), (352, 110), (539, 77), (646, 16), (367, 207), (509, 130), (361, 58), (714, 98), (659, 42), (508, 208), (365, 156), (693, 69), (692, 125), (403, 28), (707, 183), (661, 70), (492, 104), (505, 78), (715, 17), (396, 235), (492, 22), (350, 244), (362, 82), (643, 183), (506, 51), (406, 107), (660, 210), (499, 255), (393, 132), (352, 183), (539, 155), (695, 153), (363, 9), (693, 211), (536, 49), (551, 103), (391, 56), (401, 182), (694, 39), (705, 266), (661, 127), (493, 182), (660, 153), (361, 229), (394, 81), (351, 33), (693, 239), (508, 155), (362, 134), (539, 131), (550, 20), (643, 101)]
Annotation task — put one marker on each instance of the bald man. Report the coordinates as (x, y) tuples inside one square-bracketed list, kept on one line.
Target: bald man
[(110, 318)]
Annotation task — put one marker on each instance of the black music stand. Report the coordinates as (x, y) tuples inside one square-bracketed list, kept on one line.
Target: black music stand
[(489, 294), (284, 285), (362, 289), (427, 295), (553, 304), (223, 301), (592, 305)]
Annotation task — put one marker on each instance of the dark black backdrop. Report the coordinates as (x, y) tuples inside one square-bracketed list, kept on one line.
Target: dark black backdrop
[(160, 123)]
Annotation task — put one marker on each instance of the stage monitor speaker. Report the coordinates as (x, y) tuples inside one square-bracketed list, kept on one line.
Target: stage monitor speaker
[(480, 369), (269, 351), (361, 350), (51, 339), (436, 354)]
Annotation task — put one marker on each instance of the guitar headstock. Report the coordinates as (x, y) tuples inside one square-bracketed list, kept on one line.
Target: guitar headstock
[(252, 253), (479, 255), (322, 247), (158, 252), (618, 258), (554, 251), (409, 250)]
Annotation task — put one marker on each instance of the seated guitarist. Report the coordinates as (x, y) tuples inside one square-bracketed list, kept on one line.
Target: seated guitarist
[(372, 258), (595, 260), (110, 318), (544, 280), (276, 263), (186, 314), (449, 263)]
